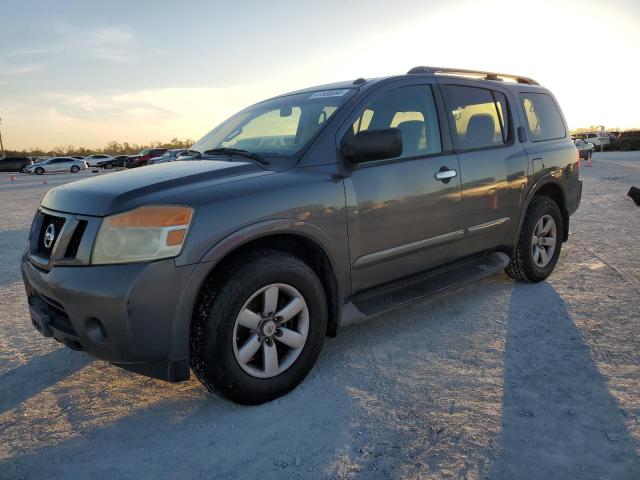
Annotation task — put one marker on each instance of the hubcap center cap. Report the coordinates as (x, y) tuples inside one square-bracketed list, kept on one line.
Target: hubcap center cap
[(268, 328)]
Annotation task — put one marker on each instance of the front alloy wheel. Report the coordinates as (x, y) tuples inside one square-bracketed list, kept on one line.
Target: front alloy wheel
[(258, 327), (271, 330)]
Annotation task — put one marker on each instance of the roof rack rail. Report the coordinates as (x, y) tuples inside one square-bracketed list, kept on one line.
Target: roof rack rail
[(462, 72)]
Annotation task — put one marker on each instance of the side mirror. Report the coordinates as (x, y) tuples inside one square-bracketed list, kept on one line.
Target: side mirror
[(370, 145)]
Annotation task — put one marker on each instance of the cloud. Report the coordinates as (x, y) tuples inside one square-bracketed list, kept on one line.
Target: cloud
[(106, 42), (7, 70)]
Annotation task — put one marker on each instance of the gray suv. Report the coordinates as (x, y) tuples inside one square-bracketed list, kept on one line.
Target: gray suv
[(304, 212)]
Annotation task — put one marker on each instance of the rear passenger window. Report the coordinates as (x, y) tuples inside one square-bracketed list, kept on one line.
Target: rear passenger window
[(410, 109), (480, 116), (544, 121)]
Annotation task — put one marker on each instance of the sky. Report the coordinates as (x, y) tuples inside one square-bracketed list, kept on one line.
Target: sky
[(88, 72)]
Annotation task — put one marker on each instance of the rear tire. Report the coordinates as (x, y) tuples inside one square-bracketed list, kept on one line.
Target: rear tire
[(75, 169), (524, 265), (39, 171), (215, 334)]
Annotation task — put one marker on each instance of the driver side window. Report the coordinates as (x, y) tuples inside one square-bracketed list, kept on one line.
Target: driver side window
[(410, 109)]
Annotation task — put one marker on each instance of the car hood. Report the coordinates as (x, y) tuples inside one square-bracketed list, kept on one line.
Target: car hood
[(124, 190)]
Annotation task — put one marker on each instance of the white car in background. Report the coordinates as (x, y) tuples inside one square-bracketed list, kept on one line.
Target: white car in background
[(56, 165), (93, 160), (597, 138)]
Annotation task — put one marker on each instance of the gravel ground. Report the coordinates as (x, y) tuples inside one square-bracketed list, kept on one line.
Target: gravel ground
[(496, 380)]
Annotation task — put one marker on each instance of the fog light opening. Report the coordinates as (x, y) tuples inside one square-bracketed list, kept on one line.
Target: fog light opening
[(95, 331)]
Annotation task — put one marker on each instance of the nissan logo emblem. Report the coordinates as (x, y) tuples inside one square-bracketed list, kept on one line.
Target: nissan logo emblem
[(49, 235)]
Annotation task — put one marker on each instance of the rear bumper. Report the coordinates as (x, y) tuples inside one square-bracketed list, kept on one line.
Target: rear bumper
[(124, 314)]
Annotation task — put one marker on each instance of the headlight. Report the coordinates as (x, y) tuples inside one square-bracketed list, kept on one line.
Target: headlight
[(143, 234)]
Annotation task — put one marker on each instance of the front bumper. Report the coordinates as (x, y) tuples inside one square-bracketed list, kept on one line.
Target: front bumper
[(124, 314)]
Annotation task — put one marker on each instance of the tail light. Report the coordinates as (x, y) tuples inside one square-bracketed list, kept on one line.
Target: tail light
[(579, 162)]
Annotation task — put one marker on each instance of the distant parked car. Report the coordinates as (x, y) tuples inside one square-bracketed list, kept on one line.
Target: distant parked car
[(143, 157), (14, 164), (168, 156), (628, 141), (94, 160), (111, 162), (585, 149), (597, 138), (57, 164), (195, 155)]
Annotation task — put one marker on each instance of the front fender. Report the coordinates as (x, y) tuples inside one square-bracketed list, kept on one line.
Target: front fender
[(189, 295)]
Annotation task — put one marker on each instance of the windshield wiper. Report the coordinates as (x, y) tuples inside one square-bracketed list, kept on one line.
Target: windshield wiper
[(237, 153)]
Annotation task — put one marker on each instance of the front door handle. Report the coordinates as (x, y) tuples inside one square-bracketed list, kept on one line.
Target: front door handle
[(446, 175)]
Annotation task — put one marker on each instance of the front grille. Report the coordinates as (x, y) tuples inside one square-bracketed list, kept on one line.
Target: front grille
[(76, 238), (58, 223)]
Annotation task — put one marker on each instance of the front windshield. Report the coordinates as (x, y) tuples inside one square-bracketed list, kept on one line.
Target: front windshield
[(145, 152), (279, 127)]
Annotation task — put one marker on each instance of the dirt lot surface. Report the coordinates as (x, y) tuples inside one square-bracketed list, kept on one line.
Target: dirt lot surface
[(496, 380)]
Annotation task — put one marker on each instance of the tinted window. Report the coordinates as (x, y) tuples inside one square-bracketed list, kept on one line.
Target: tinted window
[(410, 109), (478, 116), (543, 117)]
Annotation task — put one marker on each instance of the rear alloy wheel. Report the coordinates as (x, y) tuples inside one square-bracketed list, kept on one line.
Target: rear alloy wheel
[(538, 248), (258, 327), (543, 242), (75, 169), (39, 171)]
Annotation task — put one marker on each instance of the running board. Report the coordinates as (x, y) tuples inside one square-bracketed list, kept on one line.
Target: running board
[(417, 287)]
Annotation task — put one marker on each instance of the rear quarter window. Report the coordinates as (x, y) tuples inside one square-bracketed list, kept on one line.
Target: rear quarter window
[(544, 121)]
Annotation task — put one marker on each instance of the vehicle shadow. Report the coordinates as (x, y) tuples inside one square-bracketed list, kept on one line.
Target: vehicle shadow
[(38, 374), (559, 418), (13, 243)]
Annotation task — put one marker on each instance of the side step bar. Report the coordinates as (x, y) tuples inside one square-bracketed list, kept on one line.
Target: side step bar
[(417, 287)]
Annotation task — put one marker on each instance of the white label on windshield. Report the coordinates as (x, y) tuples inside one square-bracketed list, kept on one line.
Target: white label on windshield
[(329, 93)]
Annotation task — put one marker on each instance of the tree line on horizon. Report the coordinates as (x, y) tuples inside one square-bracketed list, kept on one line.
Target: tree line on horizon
[(112, 148)]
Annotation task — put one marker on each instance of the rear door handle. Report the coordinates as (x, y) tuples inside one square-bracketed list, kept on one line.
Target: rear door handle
[(446, 175)]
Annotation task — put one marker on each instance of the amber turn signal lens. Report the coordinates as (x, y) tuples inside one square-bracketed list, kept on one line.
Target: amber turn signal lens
[(153, 216), (176, 237)]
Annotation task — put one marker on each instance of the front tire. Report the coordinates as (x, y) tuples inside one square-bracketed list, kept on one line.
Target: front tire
[(258, 327), (538, 248)]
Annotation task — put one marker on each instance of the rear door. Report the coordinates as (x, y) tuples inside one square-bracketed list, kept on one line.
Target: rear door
[(493, 165), (402, 219)]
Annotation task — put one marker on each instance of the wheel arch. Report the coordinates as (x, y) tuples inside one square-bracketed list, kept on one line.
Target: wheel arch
[(300, 239), (552, 188)]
